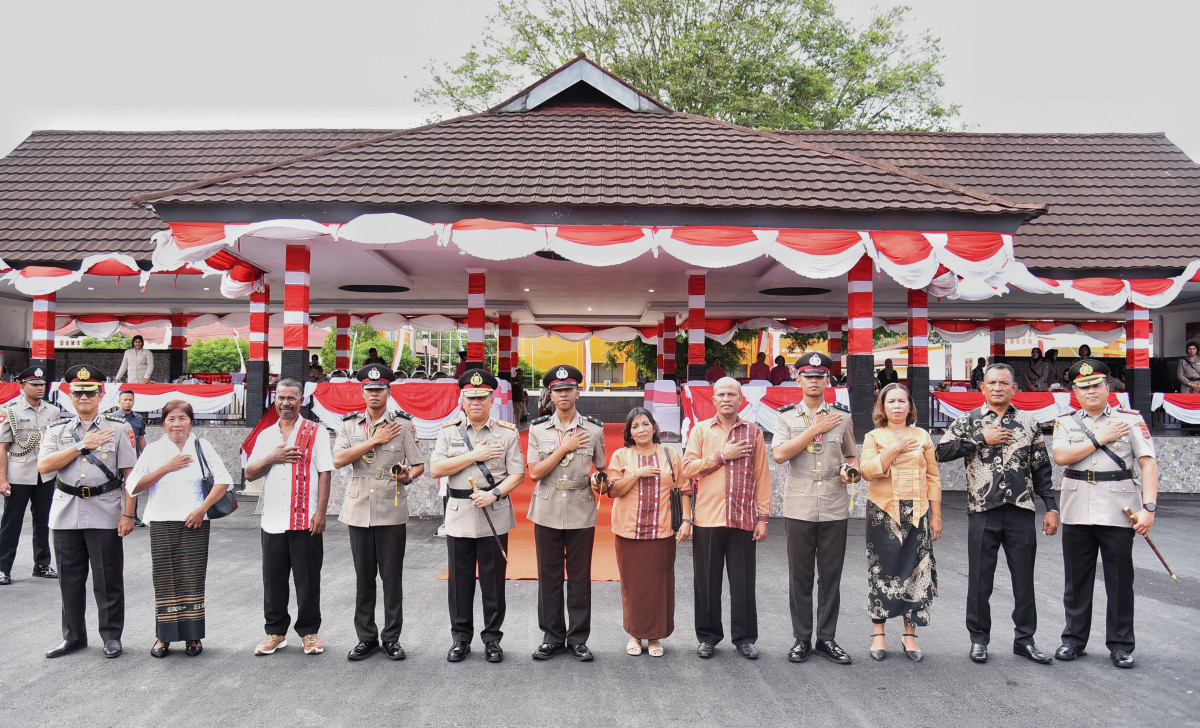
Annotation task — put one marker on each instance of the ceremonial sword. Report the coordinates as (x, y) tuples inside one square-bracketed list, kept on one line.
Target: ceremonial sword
[(1156, 551), (488, 516)]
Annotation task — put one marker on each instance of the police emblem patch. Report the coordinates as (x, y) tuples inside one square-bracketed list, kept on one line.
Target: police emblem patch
[(815, 360), (561, 373), (476, 379), (373, 373)]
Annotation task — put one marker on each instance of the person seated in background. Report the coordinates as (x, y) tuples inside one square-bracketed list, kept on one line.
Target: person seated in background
[(441, 375), (715, 372), (374, 358), (887, 375), (759, 369), (781, 372)]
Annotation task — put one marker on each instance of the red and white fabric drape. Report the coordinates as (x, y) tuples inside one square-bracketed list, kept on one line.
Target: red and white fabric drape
[(179, 322), (42, 330), (476, 289), (695, 322), (295, 298), (431, 403), (1183, 407), (760, 403), (1044, 406), (204, 398)]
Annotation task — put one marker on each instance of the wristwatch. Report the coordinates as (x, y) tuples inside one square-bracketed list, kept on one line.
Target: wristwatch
[(79, 447), (1150, 507), (496, 492)]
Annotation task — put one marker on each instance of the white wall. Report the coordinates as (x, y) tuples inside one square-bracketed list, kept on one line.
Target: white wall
[(16, 320), (1170, 328)]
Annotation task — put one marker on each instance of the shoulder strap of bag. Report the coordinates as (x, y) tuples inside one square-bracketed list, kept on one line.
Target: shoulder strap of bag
[(487, 474), (204, 471)]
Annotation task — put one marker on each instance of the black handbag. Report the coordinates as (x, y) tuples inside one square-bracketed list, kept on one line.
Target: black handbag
[(676, 495), (228, 502)]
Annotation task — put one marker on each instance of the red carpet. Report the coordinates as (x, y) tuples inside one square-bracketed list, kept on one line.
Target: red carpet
[(522, 559)]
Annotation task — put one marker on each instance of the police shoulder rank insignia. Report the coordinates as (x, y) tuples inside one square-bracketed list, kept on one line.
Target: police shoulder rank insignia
[(502, 423), (839, 406), (1145, 430), (787, 407), (350, 416), (539, 420), (594, 420), (455, 423), (402, 413)]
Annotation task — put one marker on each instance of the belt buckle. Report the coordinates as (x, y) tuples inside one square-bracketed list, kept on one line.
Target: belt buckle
[(378, 474), (1091, 476), (818, 476), (85, 492)]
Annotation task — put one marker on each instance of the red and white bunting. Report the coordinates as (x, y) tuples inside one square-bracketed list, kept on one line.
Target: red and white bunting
[(1044, 406), (204, 398), (600, 245), (1183, 407)]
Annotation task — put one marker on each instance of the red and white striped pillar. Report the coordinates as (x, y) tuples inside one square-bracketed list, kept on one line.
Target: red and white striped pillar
[(918, 353), (996, 327), (504, 346), (177, 355), (658, 373), (1137, 357), (860, 359), (256, 367), (696, 334), (670, 331), (476, 289), (514, 358), (294, 363), (342, 357), (41, 338), (835, 344)]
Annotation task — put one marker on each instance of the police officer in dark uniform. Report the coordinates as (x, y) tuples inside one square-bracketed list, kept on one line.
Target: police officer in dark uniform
[(91, 512), (481, 458), (1099, 446), (382, 447), (22, 426), (564, 446)]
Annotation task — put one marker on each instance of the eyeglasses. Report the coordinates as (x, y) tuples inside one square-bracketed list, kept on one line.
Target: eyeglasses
[(85, 395)]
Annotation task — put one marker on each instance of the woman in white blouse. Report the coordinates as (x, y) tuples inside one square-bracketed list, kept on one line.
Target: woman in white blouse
[(177, 511), (137, 363)]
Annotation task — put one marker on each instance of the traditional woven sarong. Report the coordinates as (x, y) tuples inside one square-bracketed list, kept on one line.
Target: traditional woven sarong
[(179, 557)]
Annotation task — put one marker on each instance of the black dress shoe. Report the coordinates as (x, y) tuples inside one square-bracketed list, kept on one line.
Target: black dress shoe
[(66, 647), (800, 651), (394, 651), (193, 648), (112, 648), (1067, 653), (833, 652), (458, 651), (978, 652), (546, 650), (1031, 652), (581, 653), (748, 650), (1121, 658), (45, 572), (160, 650), (5, 579), (492, 652), (878, 655), (363, 650), (705, 650)]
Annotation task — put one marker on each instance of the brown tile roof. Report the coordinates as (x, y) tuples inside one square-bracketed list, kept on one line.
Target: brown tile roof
[(587, 155), (1131, 200), (65, 194)]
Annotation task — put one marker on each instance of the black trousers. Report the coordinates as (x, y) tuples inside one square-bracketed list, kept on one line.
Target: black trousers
[(1081, 545), (1012, 528), (378, 550), (298, 554), (39, 496), (464, 554), (731, 549), (568, 549), (820, 546), (101, 551)]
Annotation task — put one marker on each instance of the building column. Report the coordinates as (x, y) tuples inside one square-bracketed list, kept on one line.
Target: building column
[(918, 353), (669, 333), (658, 372), (514, 358), (256, 367), (294, 364), (342, 356), (41, 339), (476, 289), (696, 368), (504, 346), (1137, 357), (996, 327), (860, 360), (834, 333), (177, 355)]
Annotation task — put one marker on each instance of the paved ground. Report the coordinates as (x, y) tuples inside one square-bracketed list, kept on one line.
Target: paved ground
[(229, 686)]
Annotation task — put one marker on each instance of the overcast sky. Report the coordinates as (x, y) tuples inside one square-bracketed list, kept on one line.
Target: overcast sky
[(1016, 65)]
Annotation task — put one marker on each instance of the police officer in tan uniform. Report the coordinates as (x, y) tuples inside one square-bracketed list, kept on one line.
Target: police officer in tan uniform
[(816, 440), (1099, 446), (91, 511), (22, 426), (382, 448), (564, 446), (481, 457)]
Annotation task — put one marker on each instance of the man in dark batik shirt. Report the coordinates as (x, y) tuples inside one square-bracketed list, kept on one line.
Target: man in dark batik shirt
[(1006, 463)]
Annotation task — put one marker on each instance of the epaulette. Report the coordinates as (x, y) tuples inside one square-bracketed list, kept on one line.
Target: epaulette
[(1128, 410), (114, 418), (502, 423), (787, 407), (60, 421), (115, 415), (402, 413), (840, 406), (539, 420), (594, 420), (455, 423), (350, 416)]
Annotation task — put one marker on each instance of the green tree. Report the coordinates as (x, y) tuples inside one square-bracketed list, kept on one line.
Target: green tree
[(116, 341), (217, 355), (364, 338), (775, 64), (530, 375), (408, 361)]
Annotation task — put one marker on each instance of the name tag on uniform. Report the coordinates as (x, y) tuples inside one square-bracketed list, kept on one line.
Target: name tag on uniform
[(357, 437), (549, 444), (799, 430)]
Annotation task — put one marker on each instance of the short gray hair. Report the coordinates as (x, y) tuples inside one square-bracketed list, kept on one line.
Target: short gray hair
[(290, 383), (1001, 366)]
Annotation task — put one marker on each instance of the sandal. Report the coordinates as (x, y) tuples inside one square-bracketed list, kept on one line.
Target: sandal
[(879, 655), (655, 648), (634, 648), (914, 655)]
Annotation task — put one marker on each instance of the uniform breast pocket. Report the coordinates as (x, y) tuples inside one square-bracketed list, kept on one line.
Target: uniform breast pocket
[(1068, 484), (585, 495), (502, 504), (543, 491), (797, 485), (1124, 486), (353, 489)]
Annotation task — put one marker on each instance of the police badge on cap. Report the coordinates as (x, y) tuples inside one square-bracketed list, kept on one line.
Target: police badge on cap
[(1087, 371), (374, 376), (84, 378), (563, 376), (477, 383), (32, 375), (813, 364)]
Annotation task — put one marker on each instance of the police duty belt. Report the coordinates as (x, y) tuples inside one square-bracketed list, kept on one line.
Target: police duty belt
[(85, 491)]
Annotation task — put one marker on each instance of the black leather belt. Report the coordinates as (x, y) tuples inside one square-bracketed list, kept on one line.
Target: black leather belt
[(87, 491), (1094, 476), (456, 493)]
